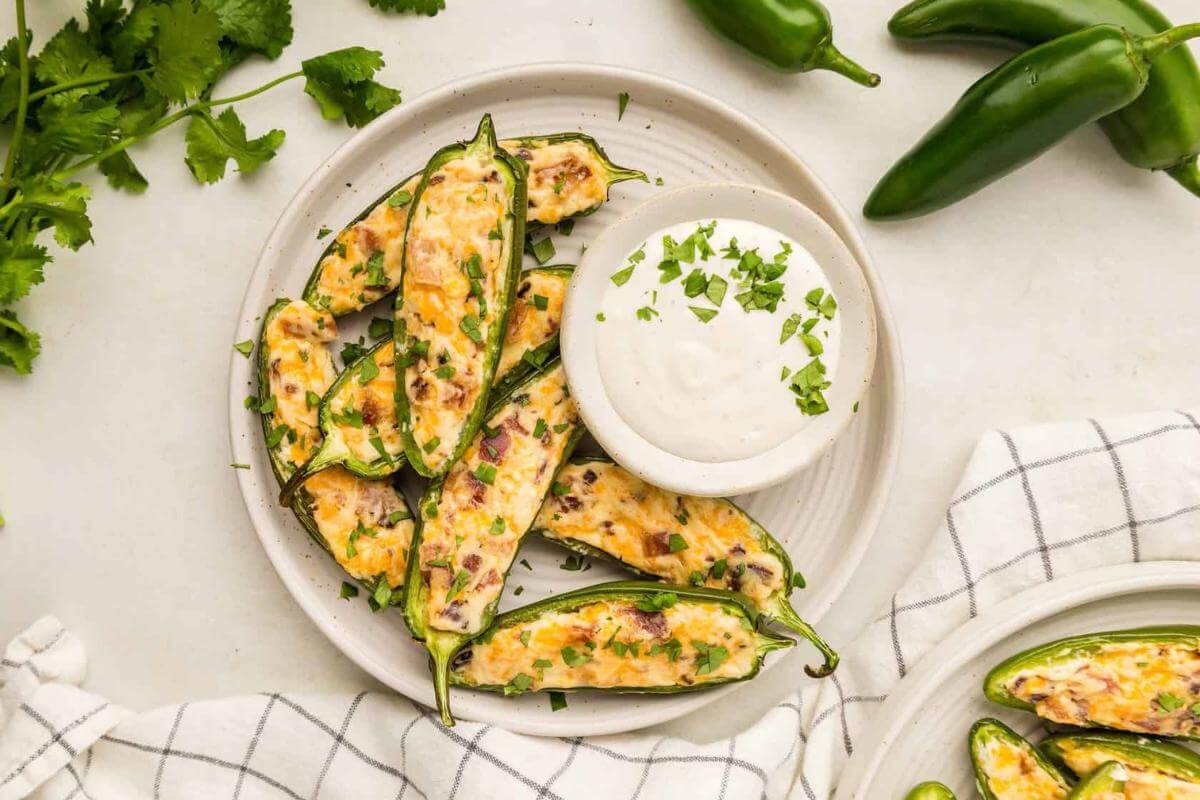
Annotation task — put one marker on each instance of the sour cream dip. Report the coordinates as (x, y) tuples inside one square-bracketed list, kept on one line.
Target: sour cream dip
[(717, 338)]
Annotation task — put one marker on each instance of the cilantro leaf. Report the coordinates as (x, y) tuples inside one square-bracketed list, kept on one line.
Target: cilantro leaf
[(20, 270), (62, 206), (212, 141), (122, 173), (263, 26), (186, 52), (340, 82), (82, 125), (69, 56), (427, 7), (19, 346)]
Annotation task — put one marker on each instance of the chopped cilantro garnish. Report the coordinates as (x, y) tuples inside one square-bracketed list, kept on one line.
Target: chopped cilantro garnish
[(808, 382), (695, 283), (671, 648), (696, 578), (600, 317), (717, 570), (497, 526), (245, 348), (485, 472), (675, 543), (525, 563), (798, 581), (828, 307), (541, 665), (541, 302), (459, 583), (524, 637), (379, 328), (368, 372), (445, 372), (349, 416), (711, 656), (715, 290), (353, 351), (235, 465), (646, 313), (519, 683), (703, 314), (375, 276), (470, 326), (560, 183), (561, 427), (790, 326), (322, 232), (573, 563), (397, 516), (657, 601), (348, 590), (622, 276), (1169, 702), (559, 489), (474, 266), (400, 198), (269, 406), (566, 227), (558, 701), (573, 658), (542, 250), (276, 435), (431, 445), (622, 104), (670, 271), (377, 443), (539, 428), (815, 348)]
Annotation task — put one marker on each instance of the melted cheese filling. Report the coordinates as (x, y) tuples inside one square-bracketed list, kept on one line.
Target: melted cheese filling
[(358, 519), (622, 515), (1143, 782), (375, 404), (453, 232), (1014, 774), (529, 327), (298, 362), (1140, 687), (347, 279), (468, 547), (565, 178), (611, 644)]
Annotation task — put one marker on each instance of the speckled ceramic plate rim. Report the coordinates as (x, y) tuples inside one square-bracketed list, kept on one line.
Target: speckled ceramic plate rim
[(973, 638), (243, 431)]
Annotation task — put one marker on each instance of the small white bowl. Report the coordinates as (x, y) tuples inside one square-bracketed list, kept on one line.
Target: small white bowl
[(708, 201)]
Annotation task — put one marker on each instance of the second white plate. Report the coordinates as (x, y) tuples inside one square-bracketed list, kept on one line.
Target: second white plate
[(920, 732)]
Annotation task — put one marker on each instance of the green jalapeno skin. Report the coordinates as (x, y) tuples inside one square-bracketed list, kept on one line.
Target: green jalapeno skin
[(997, 682), (930, 790), (1160, 130), (442, 644), (721, 601), (1136, 753), (1017, 112), (789, 35), (986, 731), (513, 230), (1108, 780), (775, 608), (285, 471)]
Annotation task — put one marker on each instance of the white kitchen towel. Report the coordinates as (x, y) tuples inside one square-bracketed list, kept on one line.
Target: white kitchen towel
[(1033, 505)]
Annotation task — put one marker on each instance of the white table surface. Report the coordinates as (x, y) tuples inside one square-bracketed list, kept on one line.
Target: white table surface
[(1070, 289)]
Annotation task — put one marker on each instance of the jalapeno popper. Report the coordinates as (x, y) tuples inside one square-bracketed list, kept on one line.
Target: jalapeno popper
[(1108, 782), (358, 414), (628, 636), (599, 509), (570, 175), (1157, 770), (1007, 767), (472, 521), (1145, 681), (365, 525), (462, 259), (930, 790)]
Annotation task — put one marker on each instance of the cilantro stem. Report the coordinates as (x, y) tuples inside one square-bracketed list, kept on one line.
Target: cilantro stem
[(80, 83), (10, 160), (167, 121)]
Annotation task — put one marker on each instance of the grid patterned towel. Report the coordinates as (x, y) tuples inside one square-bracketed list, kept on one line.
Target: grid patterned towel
[(1033, 505)]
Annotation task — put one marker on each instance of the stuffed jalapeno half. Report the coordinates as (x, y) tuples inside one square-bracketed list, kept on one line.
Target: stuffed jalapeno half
[(357, 420), (364, 524), (1157, 770), (363, 263), (600, 509), (930, 790), (627, 636), (1145, 680), (533, 323), (1108, 782), (472, 521), (569, 175), (1007, 767), (462, 261)]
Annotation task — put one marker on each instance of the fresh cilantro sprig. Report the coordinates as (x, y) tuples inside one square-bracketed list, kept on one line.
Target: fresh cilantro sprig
[(99, 87)]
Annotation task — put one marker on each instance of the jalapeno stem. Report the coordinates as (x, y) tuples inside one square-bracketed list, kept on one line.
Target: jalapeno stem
[(1187, 175), (830, 58), (1152, 47), (787, 616)]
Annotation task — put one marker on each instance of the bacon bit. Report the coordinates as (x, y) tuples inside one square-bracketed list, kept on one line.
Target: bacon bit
[(516, 315), (478, 489), (656, 544), (492, 578), (569, 503), (422, 263), (738, 550), (420, 388), (578, 634), (524, 154), (290, 388), (273, 366), (652, 622), (590, 476), (472, 562), (494, 448), (371, 413), (763, 572), (524, 288), (436, 179), (514, 422), (493, 177), (368, 240), (454, 394)]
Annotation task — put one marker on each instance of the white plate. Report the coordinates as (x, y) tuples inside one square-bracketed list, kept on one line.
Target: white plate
[(825, 516), (850, 373), (921, 729)]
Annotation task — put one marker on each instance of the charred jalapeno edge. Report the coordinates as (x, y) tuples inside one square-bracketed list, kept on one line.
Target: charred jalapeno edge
[(930, 790), (332, 452), (633, 591), (987, 729), (1107, 780), (1131, 749), (544, 351), (777, 607), (442, 645), (284, 470), (1072, 647), (1158, 131), (515, 170)]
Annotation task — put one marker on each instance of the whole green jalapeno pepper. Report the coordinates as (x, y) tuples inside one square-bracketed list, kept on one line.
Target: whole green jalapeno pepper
[(790, 35), (1158, 768), (930, 790), (626, 636), (1158, 131), (1007, 767), (600, 509), (1106, 782), (1019, 111), (1145, 680)]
